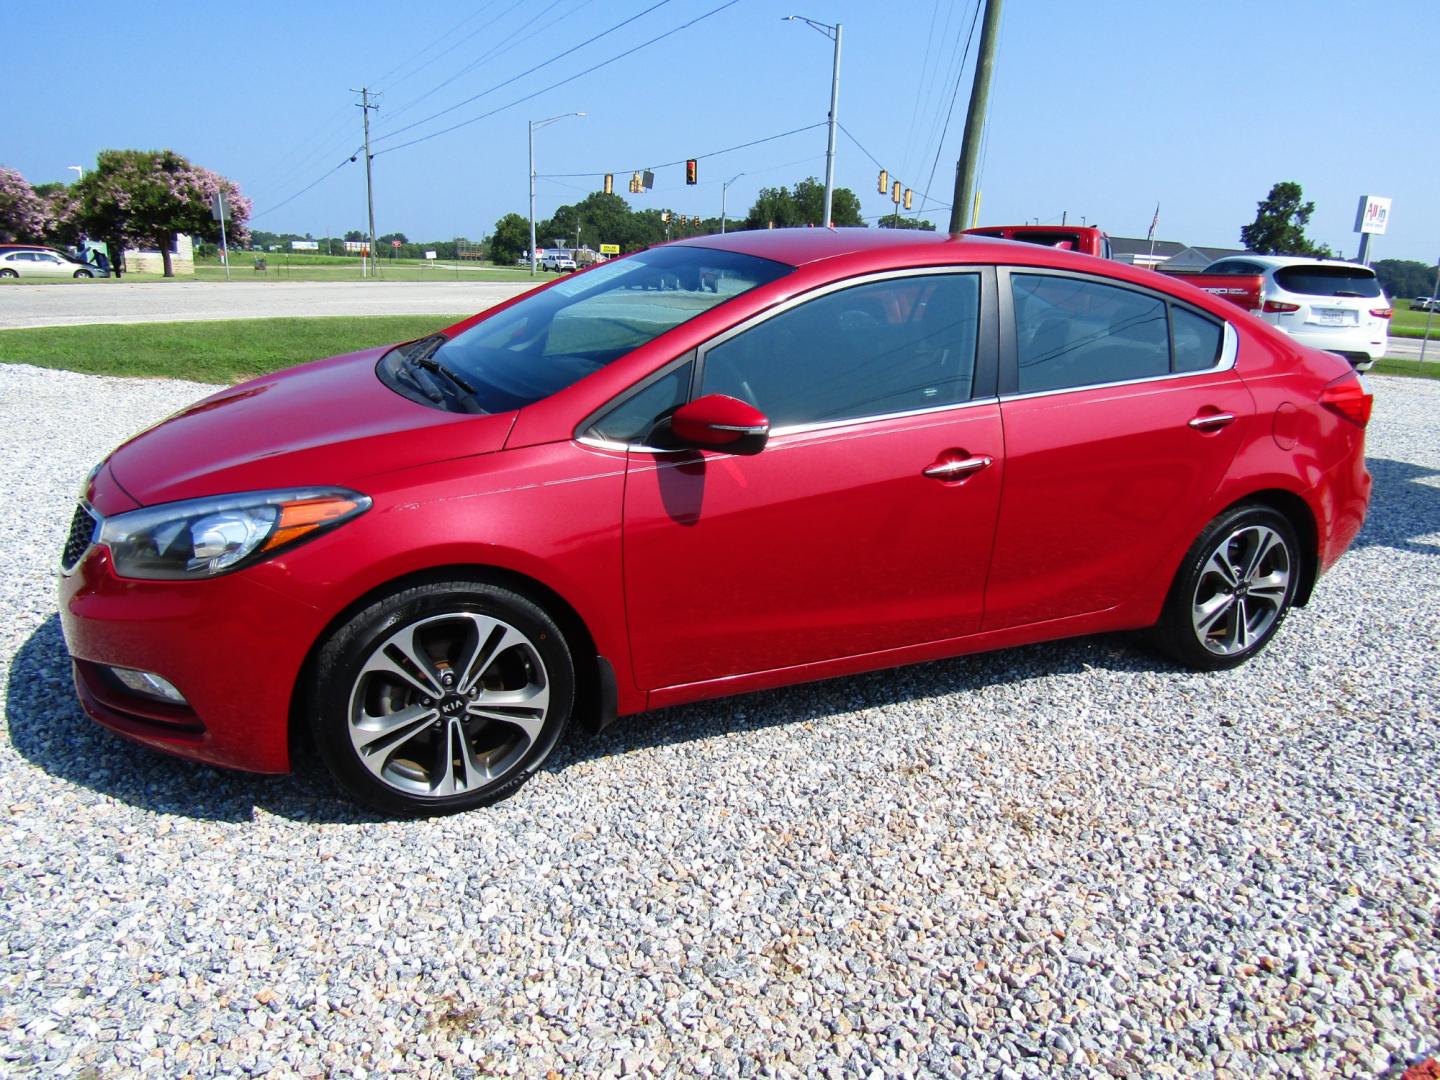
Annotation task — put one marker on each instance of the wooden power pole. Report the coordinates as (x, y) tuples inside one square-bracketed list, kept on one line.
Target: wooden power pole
[(966, 167)]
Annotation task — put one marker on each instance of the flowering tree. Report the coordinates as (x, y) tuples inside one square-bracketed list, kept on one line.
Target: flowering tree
[(22, 212), (148, 196)]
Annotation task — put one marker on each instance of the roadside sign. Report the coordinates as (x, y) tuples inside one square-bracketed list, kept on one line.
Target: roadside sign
[(394, 243), (430, 254), (304, 245), (220, 207), (1372, 215), (609, 249)]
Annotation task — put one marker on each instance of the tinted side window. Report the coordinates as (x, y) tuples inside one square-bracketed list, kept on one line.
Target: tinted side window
[(1073, 332), (1197, 341), (884, 347), (633, 418)]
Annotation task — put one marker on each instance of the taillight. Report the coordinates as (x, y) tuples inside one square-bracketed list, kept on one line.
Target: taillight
[(1348, 397), (1275, 307), (1381, 312)]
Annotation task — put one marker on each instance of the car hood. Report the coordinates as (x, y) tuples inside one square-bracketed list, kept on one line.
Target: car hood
[(331, 422)]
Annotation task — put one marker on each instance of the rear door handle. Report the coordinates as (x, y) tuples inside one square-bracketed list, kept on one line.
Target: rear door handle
[(1212, 421), (955, 468)]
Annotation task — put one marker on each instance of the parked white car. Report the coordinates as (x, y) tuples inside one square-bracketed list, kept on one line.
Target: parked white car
[(41, 264), (1324, 303)]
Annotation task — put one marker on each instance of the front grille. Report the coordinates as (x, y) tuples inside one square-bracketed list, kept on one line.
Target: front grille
[(82, 532)]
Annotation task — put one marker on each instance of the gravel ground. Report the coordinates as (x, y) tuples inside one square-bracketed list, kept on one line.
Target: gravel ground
[(1066, 859)]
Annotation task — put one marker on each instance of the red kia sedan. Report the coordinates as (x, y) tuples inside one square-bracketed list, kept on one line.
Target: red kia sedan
[(719, 465)]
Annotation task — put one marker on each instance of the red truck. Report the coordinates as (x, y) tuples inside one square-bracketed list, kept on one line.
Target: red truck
[(1243, 290)]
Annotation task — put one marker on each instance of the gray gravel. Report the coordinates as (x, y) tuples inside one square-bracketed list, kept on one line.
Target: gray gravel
[(1066, 859)]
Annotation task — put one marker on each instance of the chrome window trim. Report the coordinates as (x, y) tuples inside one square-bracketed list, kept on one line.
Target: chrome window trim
[(794, 429), (1229, 352), (698, 354)]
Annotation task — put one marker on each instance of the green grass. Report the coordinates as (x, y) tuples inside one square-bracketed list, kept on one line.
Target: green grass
[(214, 352), (1411, 324), (1394, 366), (288, 266)]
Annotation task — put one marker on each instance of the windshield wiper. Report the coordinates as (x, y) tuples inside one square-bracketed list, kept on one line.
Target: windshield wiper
[(1343, 292), (422, 355)]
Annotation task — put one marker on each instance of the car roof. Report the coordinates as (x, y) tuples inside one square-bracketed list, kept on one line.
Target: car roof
[(800, 247), (1276, 262)]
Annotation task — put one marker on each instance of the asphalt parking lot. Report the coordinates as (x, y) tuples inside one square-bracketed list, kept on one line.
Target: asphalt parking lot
[(1067, 859)]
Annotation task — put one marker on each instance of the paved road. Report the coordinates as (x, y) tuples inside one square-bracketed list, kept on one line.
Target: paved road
[(186, 301), (1409, 348)]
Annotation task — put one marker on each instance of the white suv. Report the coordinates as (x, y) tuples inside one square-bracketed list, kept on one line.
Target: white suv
[(1324, 303)]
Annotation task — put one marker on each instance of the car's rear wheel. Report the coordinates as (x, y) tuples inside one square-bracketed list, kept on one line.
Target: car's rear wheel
[(1234, 588), (83, 274), (441, 697)]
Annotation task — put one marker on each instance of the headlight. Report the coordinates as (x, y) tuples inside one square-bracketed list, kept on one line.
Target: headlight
[(200, 538)]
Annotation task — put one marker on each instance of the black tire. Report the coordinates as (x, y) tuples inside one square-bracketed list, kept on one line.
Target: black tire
[(83, 274), (405, 751), (7, 272), (1233, 590)]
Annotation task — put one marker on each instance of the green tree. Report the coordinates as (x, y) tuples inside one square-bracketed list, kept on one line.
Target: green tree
[(510, 240), (1279, 225), (804, 204), (1404, 277), (893, 222), (150, 196)]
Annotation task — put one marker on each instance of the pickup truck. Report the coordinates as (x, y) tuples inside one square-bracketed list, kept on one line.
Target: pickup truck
[(1243, 290), (557, 263), (1086, 239)]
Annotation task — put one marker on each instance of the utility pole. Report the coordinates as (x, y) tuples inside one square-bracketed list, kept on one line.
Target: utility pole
[(832, 32), (365, 106), (967, 166), (724, 188)]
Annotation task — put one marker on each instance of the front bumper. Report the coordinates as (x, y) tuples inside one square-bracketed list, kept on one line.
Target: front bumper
[(233, 647)]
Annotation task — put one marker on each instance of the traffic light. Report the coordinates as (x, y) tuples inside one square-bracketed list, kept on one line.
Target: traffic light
[(665, 217), (895, 193), (908, 193), (884, 181), (609, 183), (692, 171), (695, 220), (635, 183)]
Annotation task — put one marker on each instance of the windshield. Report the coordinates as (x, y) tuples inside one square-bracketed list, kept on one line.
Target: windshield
[(554, 338)]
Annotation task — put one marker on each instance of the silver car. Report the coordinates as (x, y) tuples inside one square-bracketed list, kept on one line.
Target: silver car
[(36, 262)]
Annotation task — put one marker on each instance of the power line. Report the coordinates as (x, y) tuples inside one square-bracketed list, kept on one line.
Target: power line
[(531, 71), (443, 37), (681, 161), (509, 41), (323, 177), (925, 195)]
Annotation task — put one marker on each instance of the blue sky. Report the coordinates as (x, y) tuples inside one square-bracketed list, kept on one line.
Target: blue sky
[(1099, 109)]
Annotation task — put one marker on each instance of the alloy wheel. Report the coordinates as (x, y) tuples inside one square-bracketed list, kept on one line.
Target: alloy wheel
[(1242, 589), (448, 704)]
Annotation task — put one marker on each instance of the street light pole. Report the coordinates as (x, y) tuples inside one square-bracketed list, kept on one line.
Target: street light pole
[(533, 125), (80, 169), (832, 32), (723, 188)]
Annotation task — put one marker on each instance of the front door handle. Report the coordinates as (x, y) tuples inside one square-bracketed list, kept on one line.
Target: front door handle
[(955, 468), (1212, 421)]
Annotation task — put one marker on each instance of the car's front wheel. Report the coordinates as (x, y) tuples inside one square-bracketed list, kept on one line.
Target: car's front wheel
[(1233, 590), (441, 697), (8, 273), (83, 274)]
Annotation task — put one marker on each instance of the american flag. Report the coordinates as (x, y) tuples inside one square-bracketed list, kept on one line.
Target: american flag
[(1153, 222)]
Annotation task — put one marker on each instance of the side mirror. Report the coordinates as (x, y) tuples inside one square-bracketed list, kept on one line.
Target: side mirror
[(718, 422)]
